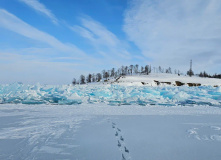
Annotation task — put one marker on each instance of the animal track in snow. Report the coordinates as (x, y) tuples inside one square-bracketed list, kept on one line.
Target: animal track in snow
[(121, 142), (126, 150), (123, 158)]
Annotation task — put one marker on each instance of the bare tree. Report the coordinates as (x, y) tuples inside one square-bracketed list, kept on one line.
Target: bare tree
[(150, 69), (106, 75), (119, 71), (74, 81), (103, 73), (126, 70), (93, 77), (131, 69), (169, 70), (147, 69), (89, 78), (112, 72), (160, 69), (141, 69), (82, 79), (98, 77), (190, 73), (136, 67), (123, 71)]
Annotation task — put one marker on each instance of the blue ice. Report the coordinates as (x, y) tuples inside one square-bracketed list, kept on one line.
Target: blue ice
[(111, 94)]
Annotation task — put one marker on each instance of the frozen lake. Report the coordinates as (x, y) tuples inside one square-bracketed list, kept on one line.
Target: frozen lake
[(92, 131)]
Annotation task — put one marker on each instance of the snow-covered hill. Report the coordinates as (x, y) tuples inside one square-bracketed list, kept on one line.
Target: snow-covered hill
[(155, 79)]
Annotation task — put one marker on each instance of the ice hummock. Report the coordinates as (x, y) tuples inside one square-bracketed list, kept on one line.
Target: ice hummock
[(18, 93)]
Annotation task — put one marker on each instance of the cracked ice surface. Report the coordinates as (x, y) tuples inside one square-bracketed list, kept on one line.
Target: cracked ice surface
[(110, 94)]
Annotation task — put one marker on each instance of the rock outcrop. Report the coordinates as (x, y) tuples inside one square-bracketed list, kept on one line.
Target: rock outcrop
[(178, 83)]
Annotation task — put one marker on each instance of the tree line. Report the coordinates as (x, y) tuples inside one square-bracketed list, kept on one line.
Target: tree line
[(204, 74), (122, 71)]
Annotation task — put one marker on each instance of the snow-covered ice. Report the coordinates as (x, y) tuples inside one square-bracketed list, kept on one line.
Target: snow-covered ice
[(100, 131)]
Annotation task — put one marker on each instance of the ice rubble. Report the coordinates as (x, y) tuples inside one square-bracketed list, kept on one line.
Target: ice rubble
[(110, 94)]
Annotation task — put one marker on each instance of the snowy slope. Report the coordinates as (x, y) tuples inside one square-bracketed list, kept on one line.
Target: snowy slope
[(151, 79)]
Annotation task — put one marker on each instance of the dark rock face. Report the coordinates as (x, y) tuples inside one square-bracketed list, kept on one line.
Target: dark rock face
[(157, 82), (144, 83), (166, 83), (193, 84), (178, 83), (190, 84)]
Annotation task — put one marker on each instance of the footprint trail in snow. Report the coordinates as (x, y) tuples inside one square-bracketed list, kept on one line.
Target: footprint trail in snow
[(125, 154)]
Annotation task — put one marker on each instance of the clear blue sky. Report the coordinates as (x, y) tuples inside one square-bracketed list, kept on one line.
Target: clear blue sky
[(52, 41)]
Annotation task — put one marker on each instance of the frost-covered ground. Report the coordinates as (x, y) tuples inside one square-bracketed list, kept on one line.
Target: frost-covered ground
[(111, 122), (93, 131)]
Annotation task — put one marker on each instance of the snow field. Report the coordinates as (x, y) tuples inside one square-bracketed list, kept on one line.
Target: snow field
[(92, 131)]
